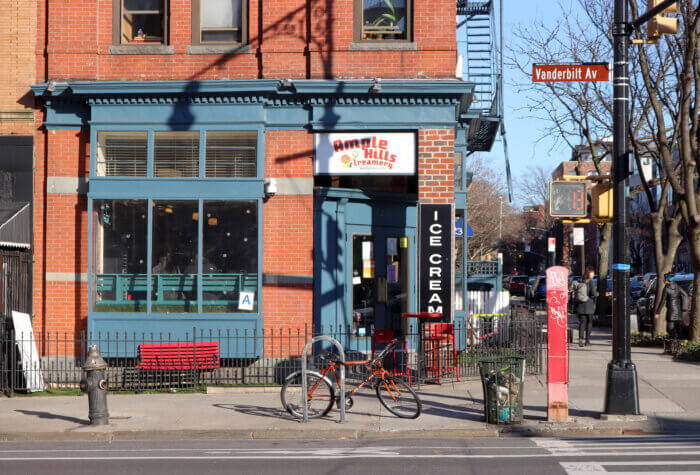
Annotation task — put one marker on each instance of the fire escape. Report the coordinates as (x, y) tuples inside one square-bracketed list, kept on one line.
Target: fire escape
[(480, 41)]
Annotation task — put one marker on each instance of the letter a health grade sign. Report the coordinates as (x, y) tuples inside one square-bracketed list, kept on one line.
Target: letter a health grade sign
[(570, 72), (435, 259)]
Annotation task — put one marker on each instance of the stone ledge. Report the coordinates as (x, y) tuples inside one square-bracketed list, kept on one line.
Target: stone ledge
[(384, 46), (219, 49), (141, 49)]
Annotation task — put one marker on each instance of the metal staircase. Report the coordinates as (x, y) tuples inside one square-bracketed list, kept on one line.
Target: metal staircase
[(480, 41)]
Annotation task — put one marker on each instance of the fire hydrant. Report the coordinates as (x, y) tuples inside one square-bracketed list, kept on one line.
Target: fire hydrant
[(95, 385)]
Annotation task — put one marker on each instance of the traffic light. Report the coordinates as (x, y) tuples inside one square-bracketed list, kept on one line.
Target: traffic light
[(602, 201), (568, 199), (660, 25)]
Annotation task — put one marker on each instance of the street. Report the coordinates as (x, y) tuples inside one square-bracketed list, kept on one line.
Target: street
[(571, 455)]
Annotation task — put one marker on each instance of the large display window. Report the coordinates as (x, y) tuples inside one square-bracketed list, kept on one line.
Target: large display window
[(227, 282)]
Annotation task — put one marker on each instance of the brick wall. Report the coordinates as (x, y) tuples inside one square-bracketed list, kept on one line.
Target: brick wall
[(436, 166), (17, 45), (60, 232), (288, 232), (288, 38)]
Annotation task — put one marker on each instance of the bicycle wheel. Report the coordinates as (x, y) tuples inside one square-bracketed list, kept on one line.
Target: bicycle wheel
[(398, 398), (320, 395)]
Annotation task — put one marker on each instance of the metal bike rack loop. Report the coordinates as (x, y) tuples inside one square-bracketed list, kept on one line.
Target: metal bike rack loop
[(303, 375)]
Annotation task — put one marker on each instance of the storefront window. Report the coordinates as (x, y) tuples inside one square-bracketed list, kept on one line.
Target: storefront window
[(120, 228), (176, 154), (121, 154), (231, 154), (230, 261), (174, 257), (459, 260), (459, 170)]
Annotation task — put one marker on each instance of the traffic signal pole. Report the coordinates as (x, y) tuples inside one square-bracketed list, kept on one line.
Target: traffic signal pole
[(621, 391)]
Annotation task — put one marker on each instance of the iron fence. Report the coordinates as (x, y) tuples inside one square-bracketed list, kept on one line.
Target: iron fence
[(265, 358)]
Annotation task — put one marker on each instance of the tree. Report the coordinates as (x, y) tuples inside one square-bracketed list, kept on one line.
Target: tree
[(581, 112), (492, 219)]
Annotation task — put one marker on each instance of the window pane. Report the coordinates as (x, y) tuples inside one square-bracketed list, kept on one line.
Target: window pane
[(176, 154), (174, 257), (459, 260), (121, 154), (384, 19), (221, 13), (143, 21), (143, 4), (231, 154), (119, 234), (221, 36), (230, 265)]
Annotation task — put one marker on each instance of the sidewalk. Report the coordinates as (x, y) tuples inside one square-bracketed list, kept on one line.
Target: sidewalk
[(668, 396)]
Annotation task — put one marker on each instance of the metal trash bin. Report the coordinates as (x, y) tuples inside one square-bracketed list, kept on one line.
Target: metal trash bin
[(503, 379)]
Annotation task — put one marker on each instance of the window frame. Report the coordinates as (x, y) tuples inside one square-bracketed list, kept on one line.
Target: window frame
[(197, 28), (117, 17), (357, 25)]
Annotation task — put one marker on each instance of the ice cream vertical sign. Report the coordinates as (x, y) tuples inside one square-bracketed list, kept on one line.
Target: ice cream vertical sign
[(435, 261)]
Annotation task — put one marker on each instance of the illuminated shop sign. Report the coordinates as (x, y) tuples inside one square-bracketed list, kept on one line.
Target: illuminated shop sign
[(370, 153)]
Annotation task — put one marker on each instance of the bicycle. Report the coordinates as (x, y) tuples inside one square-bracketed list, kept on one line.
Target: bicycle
[(394, 394)]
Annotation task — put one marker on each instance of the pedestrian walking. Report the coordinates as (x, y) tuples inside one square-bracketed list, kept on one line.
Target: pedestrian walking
[(676, 301), (584, 295)]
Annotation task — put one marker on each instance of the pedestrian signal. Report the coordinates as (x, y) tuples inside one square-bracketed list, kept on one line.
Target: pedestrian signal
[(568, 199)]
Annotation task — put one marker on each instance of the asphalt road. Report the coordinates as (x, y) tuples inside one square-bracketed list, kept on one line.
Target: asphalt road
[(575, 456)]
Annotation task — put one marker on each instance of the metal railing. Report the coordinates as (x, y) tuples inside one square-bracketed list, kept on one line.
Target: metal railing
[(262, 358)]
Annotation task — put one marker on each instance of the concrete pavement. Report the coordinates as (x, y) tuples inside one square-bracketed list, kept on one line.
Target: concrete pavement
[(669, 396)]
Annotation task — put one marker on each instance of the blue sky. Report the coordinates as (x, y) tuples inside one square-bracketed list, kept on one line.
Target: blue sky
[(521, 133)]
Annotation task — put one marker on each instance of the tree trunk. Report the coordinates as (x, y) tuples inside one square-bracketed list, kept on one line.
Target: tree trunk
[(664, 263), (694, 244), (603, 265)]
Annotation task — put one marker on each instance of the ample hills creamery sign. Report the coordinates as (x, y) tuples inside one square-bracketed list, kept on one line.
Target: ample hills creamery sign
[(365, 153)]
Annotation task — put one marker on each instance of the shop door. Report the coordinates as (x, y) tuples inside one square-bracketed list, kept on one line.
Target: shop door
[(379, 278)]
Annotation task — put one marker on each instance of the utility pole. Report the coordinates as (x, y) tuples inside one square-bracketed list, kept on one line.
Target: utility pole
[(500, 221), (621, 391)]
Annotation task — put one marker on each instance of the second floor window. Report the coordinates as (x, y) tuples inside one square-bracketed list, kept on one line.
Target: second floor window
[(141, 21), (382, 20), (219, 22)]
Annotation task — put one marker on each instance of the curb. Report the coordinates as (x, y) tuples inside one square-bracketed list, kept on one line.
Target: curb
[(529, 430)]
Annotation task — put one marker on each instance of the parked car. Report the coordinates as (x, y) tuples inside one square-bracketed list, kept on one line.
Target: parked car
[(646, 303), (605, 311), (517, 283), (539, 292)]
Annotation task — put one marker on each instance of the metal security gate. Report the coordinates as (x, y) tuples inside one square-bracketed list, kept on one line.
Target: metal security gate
[(15, 294)]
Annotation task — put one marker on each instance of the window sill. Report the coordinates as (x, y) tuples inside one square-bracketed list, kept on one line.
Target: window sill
[(141, 49), (219, 49), (380, 45)]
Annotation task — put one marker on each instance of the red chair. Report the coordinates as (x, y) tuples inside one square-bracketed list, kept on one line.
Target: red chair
[(439, 341), (384, 337)]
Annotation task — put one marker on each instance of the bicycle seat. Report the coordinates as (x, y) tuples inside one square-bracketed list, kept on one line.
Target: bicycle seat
[(328, 356)]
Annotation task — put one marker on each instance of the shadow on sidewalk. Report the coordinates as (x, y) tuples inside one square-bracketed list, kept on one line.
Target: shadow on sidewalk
[(48, 415)]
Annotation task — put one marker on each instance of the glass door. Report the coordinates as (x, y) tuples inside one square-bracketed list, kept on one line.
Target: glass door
[(380, 278)]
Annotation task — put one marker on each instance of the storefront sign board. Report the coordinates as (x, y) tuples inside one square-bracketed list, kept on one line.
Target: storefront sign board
[(435, 262), (365, 153), (557, 354)]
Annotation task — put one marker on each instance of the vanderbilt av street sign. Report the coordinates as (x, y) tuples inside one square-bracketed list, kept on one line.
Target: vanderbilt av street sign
[(570, 72)]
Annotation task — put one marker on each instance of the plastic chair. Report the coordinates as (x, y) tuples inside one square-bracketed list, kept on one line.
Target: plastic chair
[(438, 339), (384, 337)]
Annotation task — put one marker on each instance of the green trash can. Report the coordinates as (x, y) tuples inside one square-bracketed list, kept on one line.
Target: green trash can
[(503, 378)]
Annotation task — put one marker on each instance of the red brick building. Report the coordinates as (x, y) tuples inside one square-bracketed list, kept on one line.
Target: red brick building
[(241, 165)]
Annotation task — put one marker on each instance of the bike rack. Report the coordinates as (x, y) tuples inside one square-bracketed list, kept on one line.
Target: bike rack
[(303, 375)]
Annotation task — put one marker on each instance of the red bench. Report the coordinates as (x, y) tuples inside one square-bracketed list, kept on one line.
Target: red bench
[(202, 356)]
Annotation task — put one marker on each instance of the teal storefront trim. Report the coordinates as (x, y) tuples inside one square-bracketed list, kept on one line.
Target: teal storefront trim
[(259, 105)]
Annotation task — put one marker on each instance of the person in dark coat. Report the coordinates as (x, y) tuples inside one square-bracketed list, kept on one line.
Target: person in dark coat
[(585, 308), (672, 296)]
